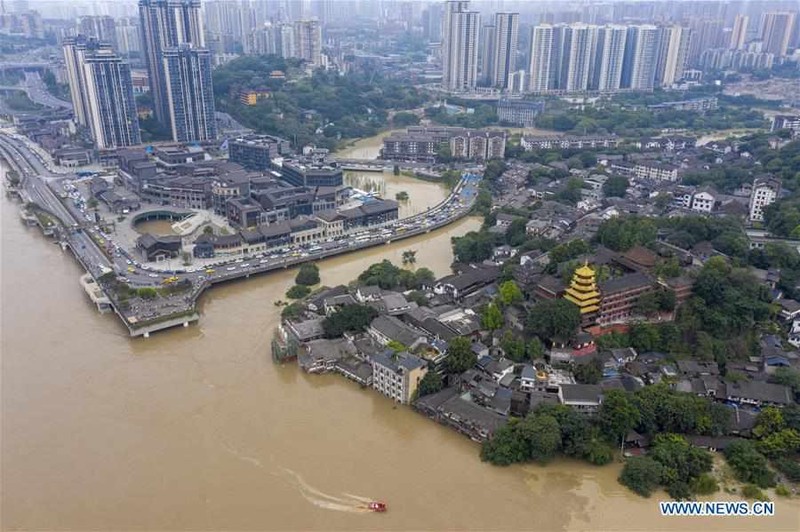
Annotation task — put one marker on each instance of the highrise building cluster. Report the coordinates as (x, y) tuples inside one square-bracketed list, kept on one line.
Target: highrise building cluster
[(592, 50), (179, 68), (301, 39), (179, 71), (584, 57), (22, 22), (102, 92)]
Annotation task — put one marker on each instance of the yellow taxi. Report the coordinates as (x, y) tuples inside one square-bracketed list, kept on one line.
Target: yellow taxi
[(210, 271), (131, 269)]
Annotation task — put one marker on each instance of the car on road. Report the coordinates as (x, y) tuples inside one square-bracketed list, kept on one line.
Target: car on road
[(230, 268), (131, 269), (210, 271)]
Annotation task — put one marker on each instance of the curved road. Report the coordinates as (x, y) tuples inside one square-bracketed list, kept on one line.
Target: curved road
[(43, 187)]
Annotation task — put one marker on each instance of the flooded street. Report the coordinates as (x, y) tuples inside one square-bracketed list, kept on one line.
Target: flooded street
[(197, 428), (422, 195), (155, 227), (366, 148)]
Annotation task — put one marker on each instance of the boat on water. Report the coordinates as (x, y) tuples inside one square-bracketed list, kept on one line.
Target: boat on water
[(377, 506)]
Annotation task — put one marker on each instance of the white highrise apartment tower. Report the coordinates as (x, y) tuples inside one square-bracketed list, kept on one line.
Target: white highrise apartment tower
[(579, 48), (308, 41), (642, 43), (111, 104), (540, 73), (486, 55), (739, 33), (776, 31), (505, 48), (459, 46), (610, 57), (673, 55)]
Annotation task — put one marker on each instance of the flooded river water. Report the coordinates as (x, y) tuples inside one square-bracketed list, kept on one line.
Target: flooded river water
[(197, 428)]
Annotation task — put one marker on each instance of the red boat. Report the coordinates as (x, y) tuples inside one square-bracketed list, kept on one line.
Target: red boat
[(376, 506)]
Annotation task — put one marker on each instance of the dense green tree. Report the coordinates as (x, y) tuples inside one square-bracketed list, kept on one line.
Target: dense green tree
[(782, 443), (506, 446), (647, 304), (473, 247), (492, 317), (555, 319), (597, 451), (516, 233), (349, 318), (726, 301), (308, 274), (430, 383), (404, 119), (575, 429), (618, 415), (571, 192), (494, 169), (791, 416), (789, 467), (644, 337), (422, 277), (460, 356), (615, 186), (590, 372), (319, 109), (513, 346), (624, 232), (769, 421), (390, 277), (569, 251), (292, 311), (543, 435), (418, 297), (641, 474), (535, 349), (748, 464), (510, 293), (298, 291), (681, 462), (665, 410)]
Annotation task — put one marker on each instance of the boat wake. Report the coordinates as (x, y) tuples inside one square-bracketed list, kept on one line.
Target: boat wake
[(347, 502), (243, 457)]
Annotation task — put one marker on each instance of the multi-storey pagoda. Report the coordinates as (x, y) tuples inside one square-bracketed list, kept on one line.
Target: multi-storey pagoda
[(583, 292)]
